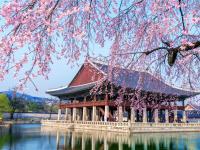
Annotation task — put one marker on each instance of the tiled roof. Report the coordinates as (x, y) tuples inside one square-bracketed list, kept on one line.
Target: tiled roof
[(71, 90), (129, 78), (126, 78)]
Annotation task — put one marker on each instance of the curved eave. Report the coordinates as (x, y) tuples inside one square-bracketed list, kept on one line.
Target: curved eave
[(73, 90), (76, 90)]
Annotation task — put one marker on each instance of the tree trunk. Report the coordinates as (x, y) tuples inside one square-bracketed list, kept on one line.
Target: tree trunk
[(12, 115)]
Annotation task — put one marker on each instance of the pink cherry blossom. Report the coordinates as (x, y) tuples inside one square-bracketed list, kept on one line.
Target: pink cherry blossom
[(142, 35)]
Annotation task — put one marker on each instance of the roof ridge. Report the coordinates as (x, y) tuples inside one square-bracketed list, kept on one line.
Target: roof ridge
[(88, 60)]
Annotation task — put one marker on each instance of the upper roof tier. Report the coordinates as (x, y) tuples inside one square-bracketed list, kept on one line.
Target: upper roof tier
[(92, 71)]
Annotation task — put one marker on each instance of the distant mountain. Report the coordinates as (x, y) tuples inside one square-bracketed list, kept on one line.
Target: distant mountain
[(27, 97)]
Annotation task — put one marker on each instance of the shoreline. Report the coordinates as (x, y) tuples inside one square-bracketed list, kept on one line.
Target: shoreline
[(7, 124), (22, 122)]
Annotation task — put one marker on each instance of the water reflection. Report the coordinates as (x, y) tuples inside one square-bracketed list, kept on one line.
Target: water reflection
[(33, 137), (77, 140)]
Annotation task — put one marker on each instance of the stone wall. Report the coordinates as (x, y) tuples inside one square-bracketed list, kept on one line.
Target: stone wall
[(123, 126)]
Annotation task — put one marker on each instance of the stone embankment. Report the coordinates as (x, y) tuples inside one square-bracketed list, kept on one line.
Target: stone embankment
[(123, 126)]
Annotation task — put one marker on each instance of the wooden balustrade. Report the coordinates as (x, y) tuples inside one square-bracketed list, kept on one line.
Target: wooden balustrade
[(87, 104), (109, 103)]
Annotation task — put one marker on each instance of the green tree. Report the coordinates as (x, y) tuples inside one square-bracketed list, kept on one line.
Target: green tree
[(50, 108), (34, 107), (4, 105), (17, 104)]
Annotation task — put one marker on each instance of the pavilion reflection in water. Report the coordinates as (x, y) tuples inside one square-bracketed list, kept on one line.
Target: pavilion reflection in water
[(72, 140)]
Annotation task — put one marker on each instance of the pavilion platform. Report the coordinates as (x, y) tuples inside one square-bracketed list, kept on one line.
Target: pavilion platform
[(109, 109), (127, 127)]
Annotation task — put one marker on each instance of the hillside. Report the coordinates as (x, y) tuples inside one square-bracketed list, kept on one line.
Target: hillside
[(27, 97)]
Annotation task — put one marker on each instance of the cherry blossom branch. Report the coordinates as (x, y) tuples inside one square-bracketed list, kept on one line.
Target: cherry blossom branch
[(53, 8), (182, 18)]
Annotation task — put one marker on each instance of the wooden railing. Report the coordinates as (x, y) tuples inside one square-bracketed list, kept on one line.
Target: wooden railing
[(105, 102), (87, 104)]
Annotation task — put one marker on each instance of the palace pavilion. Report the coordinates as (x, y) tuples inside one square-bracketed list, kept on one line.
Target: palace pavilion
[(79, 102)]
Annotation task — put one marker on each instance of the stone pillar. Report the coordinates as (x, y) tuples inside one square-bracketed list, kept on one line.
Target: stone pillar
[(184, 116), (78, 114), (156, 118), (59, 114), (106, 113), (132, 114), (74, 114), (66, 114), (84, 114), (166, 116), (175, 115), (120, 114), (144, 118), (94, 113), (184, 112), (70, 114)]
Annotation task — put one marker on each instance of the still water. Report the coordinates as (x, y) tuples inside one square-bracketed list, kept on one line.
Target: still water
[(35, 137)]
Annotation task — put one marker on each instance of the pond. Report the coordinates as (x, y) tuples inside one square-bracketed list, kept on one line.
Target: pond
[(35, 137)]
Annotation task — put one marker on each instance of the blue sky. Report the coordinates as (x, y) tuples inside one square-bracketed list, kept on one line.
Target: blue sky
[(61, 74)]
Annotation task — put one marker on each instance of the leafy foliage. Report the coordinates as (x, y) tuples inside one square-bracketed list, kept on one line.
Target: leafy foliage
[(4, 104)]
